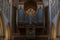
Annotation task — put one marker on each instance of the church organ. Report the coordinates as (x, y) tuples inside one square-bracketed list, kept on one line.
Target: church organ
[(30, 21), (20, 15)]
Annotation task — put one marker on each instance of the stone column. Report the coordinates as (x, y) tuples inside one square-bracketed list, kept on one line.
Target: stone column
[(10, 17), (50, 2)]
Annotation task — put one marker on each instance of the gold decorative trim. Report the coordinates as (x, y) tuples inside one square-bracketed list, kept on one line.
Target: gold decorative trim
[(30, 12)]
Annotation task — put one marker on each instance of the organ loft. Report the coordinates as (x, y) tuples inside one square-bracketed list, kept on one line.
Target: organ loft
[(29, 20)]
